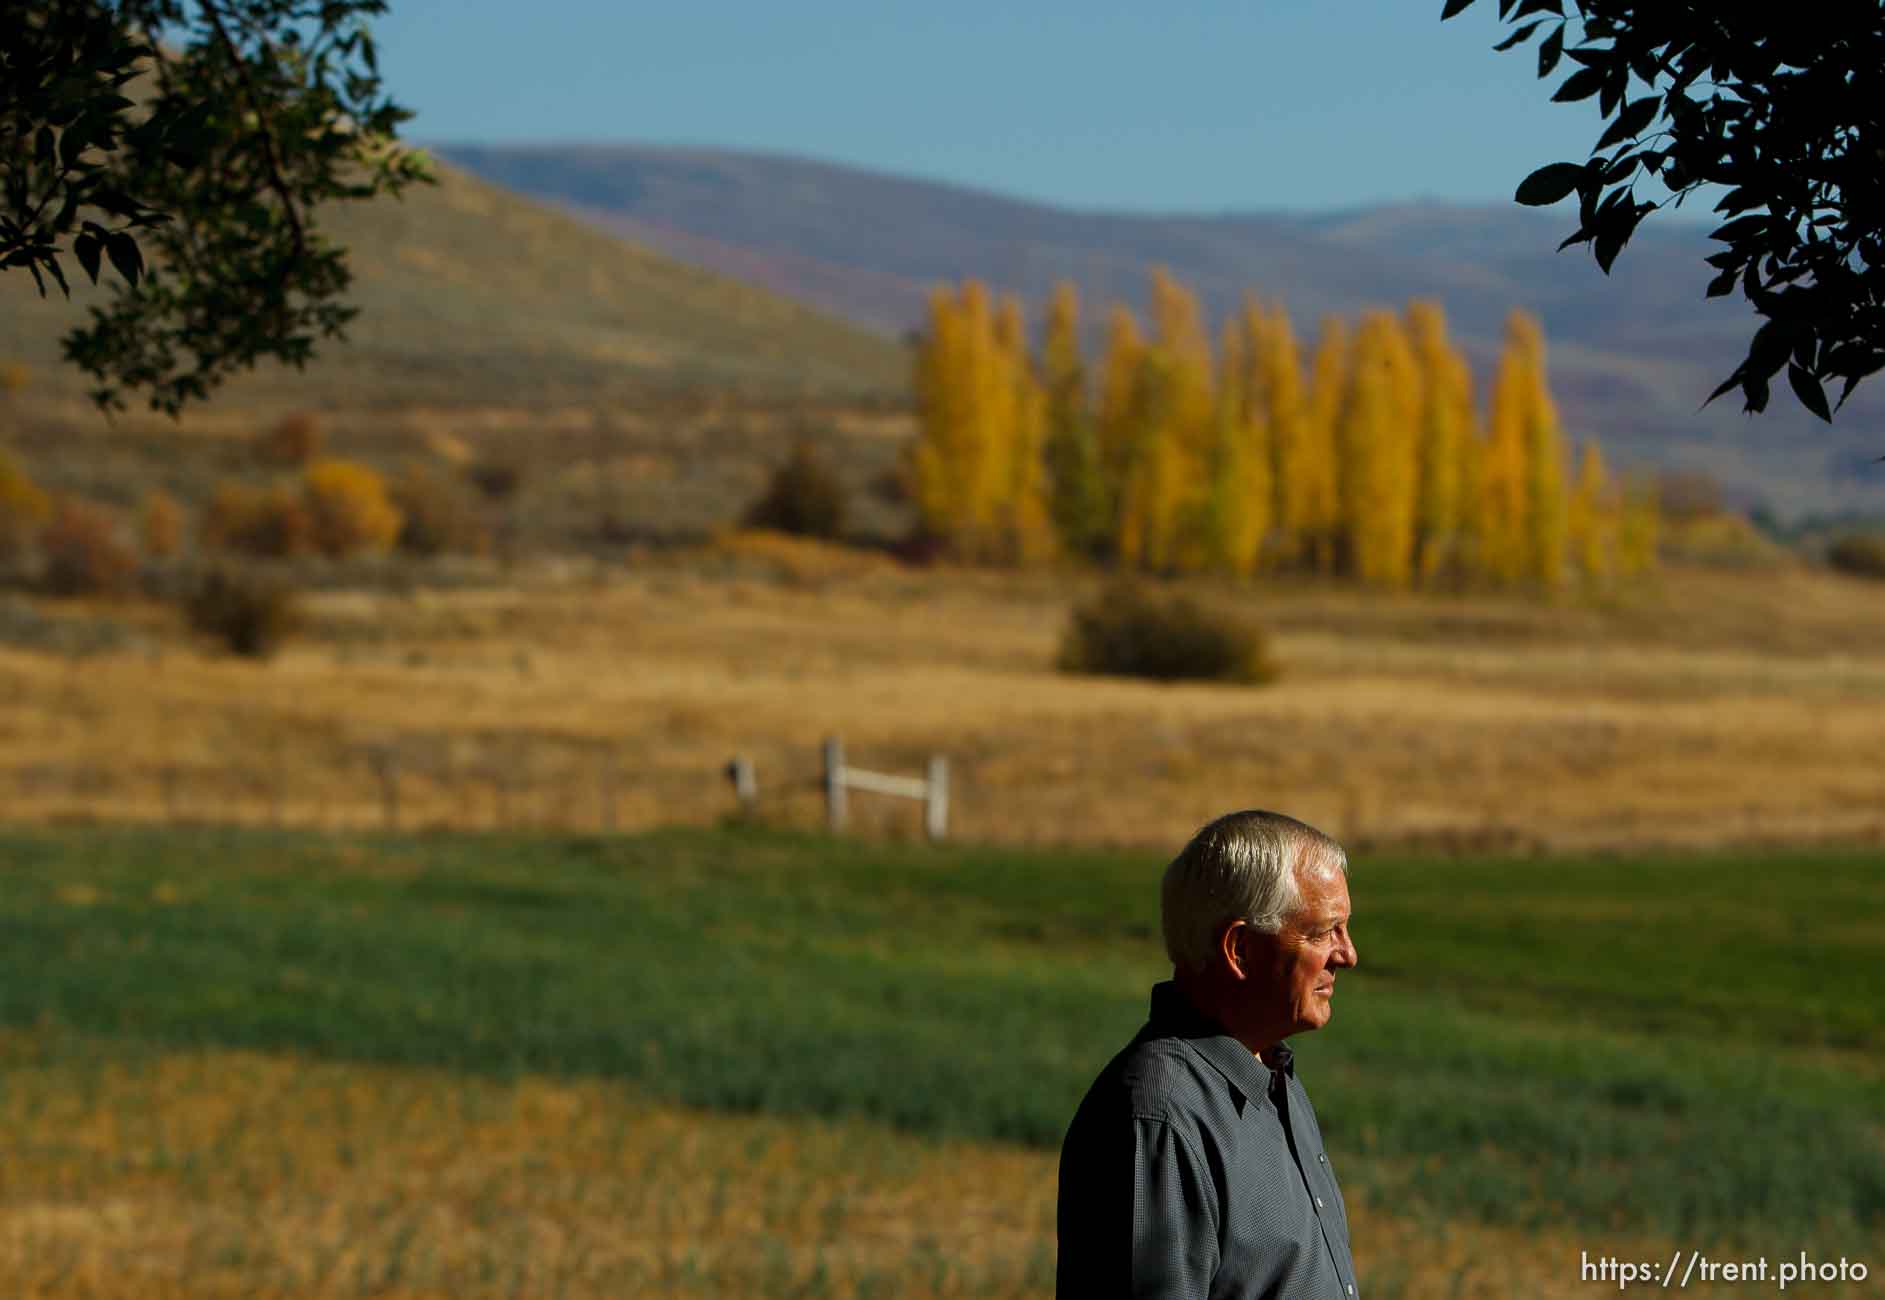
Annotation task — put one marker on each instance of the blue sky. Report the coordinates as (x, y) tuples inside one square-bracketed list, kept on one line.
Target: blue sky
[(1187, 105)]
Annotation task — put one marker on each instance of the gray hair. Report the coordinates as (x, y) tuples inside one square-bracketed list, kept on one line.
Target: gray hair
[(1241, 867)]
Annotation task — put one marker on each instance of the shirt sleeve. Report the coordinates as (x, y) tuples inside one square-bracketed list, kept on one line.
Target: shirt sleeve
[(1174, 1216)]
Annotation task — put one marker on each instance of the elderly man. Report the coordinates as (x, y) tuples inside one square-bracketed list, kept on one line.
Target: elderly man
[(1194, 1168)]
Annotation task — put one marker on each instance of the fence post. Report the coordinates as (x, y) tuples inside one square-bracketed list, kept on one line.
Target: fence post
[(936, 798), (835, 807), (745, 783)]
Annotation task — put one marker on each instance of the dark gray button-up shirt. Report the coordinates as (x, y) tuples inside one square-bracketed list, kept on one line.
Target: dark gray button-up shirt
[(1194, 1170)]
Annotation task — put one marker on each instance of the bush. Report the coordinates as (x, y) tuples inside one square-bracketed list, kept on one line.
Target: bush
[(497, 477), (295, 441), (1861, 555), (272, 523), (85, 555), (439, 518), (1128, 631), (248, 613), (804, 498), (348, 508), (161, 525), (24, 507)]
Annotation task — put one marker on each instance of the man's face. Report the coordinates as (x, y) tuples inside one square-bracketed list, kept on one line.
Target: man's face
[(1292, 972)]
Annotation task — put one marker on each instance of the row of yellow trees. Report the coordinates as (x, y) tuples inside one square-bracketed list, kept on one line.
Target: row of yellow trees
[(1176, 457)]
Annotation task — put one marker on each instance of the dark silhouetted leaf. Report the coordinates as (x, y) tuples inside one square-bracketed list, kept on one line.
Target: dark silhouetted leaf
[(88, 248), (1517, 36), (1808, 390), (1548, 184), (1452, 7), (1550, 50), (125, 256), (1581, 84)]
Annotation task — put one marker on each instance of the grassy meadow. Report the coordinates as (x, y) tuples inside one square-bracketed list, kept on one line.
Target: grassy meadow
[(1718, 708), (741, 1061)]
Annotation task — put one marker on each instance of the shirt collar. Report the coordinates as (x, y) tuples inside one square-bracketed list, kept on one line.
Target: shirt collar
[(1173, 1015)]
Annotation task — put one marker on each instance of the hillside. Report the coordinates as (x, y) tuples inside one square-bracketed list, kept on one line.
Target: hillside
[(1633, 354), (474, 296)]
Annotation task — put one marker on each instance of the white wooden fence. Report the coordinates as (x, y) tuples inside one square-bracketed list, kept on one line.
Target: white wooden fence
[(841, 778)]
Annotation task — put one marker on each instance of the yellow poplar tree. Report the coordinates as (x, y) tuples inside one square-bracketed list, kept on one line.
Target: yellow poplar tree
[(960, 464), (1240, 463), (1504, 477), (1116, 425), (1276, 393), (1470, 555), (1377, 437), (1164, 507), (1312, 494), (1591, 520), (1638, 530), (1026, 527), (1545, 505), (1081, 507), (1445, 421)]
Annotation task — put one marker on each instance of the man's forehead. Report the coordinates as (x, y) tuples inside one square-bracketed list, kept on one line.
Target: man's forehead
[(1324, 893)]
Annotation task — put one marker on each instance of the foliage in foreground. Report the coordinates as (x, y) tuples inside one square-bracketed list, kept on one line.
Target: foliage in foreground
[(1130, 630), (202, 193), (1762, 102), (1483, 1061)]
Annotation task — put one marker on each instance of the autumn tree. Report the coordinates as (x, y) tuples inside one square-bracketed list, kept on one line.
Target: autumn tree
[(1377, 440), (1116, 419), (1164, 522), (1312, 496), (1080, 501), (1445, 422), (1592, 517), (1240, 469), (1777, 105), (192, 145)]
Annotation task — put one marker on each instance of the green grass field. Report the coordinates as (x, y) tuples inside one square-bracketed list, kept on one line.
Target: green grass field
[(1690, 1047)]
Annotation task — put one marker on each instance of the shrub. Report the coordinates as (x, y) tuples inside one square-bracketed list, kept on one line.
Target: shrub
[(248, 613), (497, 477), (438, 516), (24, 507), (85, 555), (273, 522), (295, 441), (161, 525), (348, 508), (1128, 631), (1860, 554), (804, 498)]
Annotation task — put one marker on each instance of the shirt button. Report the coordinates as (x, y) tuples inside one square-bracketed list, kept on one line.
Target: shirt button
[(1318, 1202), (1322, 1158), (1351, 1288)]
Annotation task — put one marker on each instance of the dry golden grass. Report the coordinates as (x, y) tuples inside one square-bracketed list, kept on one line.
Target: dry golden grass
[(233, 1174), (1724, 707)]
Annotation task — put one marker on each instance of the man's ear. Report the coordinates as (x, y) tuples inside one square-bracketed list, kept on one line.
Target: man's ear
[(1230, 947)]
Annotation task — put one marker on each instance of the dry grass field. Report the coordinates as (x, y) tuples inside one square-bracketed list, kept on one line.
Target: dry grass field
[(1715, 707), (222, 1174)]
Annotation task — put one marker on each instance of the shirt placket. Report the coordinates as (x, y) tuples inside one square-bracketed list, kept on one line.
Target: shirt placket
[(1320, 1185)]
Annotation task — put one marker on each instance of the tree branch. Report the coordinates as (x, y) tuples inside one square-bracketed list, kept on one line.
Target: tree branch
[(270, 157)]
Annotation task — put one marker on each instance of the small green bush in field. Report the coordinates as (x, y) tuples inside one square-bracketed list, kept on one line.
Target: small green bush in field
[(804, 497), (249, 614), (1130, 631), (1860, 554)]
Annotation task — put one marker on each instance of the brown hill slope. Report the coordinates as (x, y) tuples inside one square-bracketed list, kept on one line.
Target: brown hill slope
[(472, 295), (1633, 354)]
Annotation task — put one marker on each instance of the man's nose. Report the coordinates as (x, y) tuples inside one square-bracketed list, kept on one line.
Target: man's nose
[(1346, 955)]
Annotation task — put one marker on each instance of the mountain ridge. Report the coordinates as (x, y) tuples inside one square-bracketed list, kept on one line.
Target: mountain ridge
[(1633, 354)]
